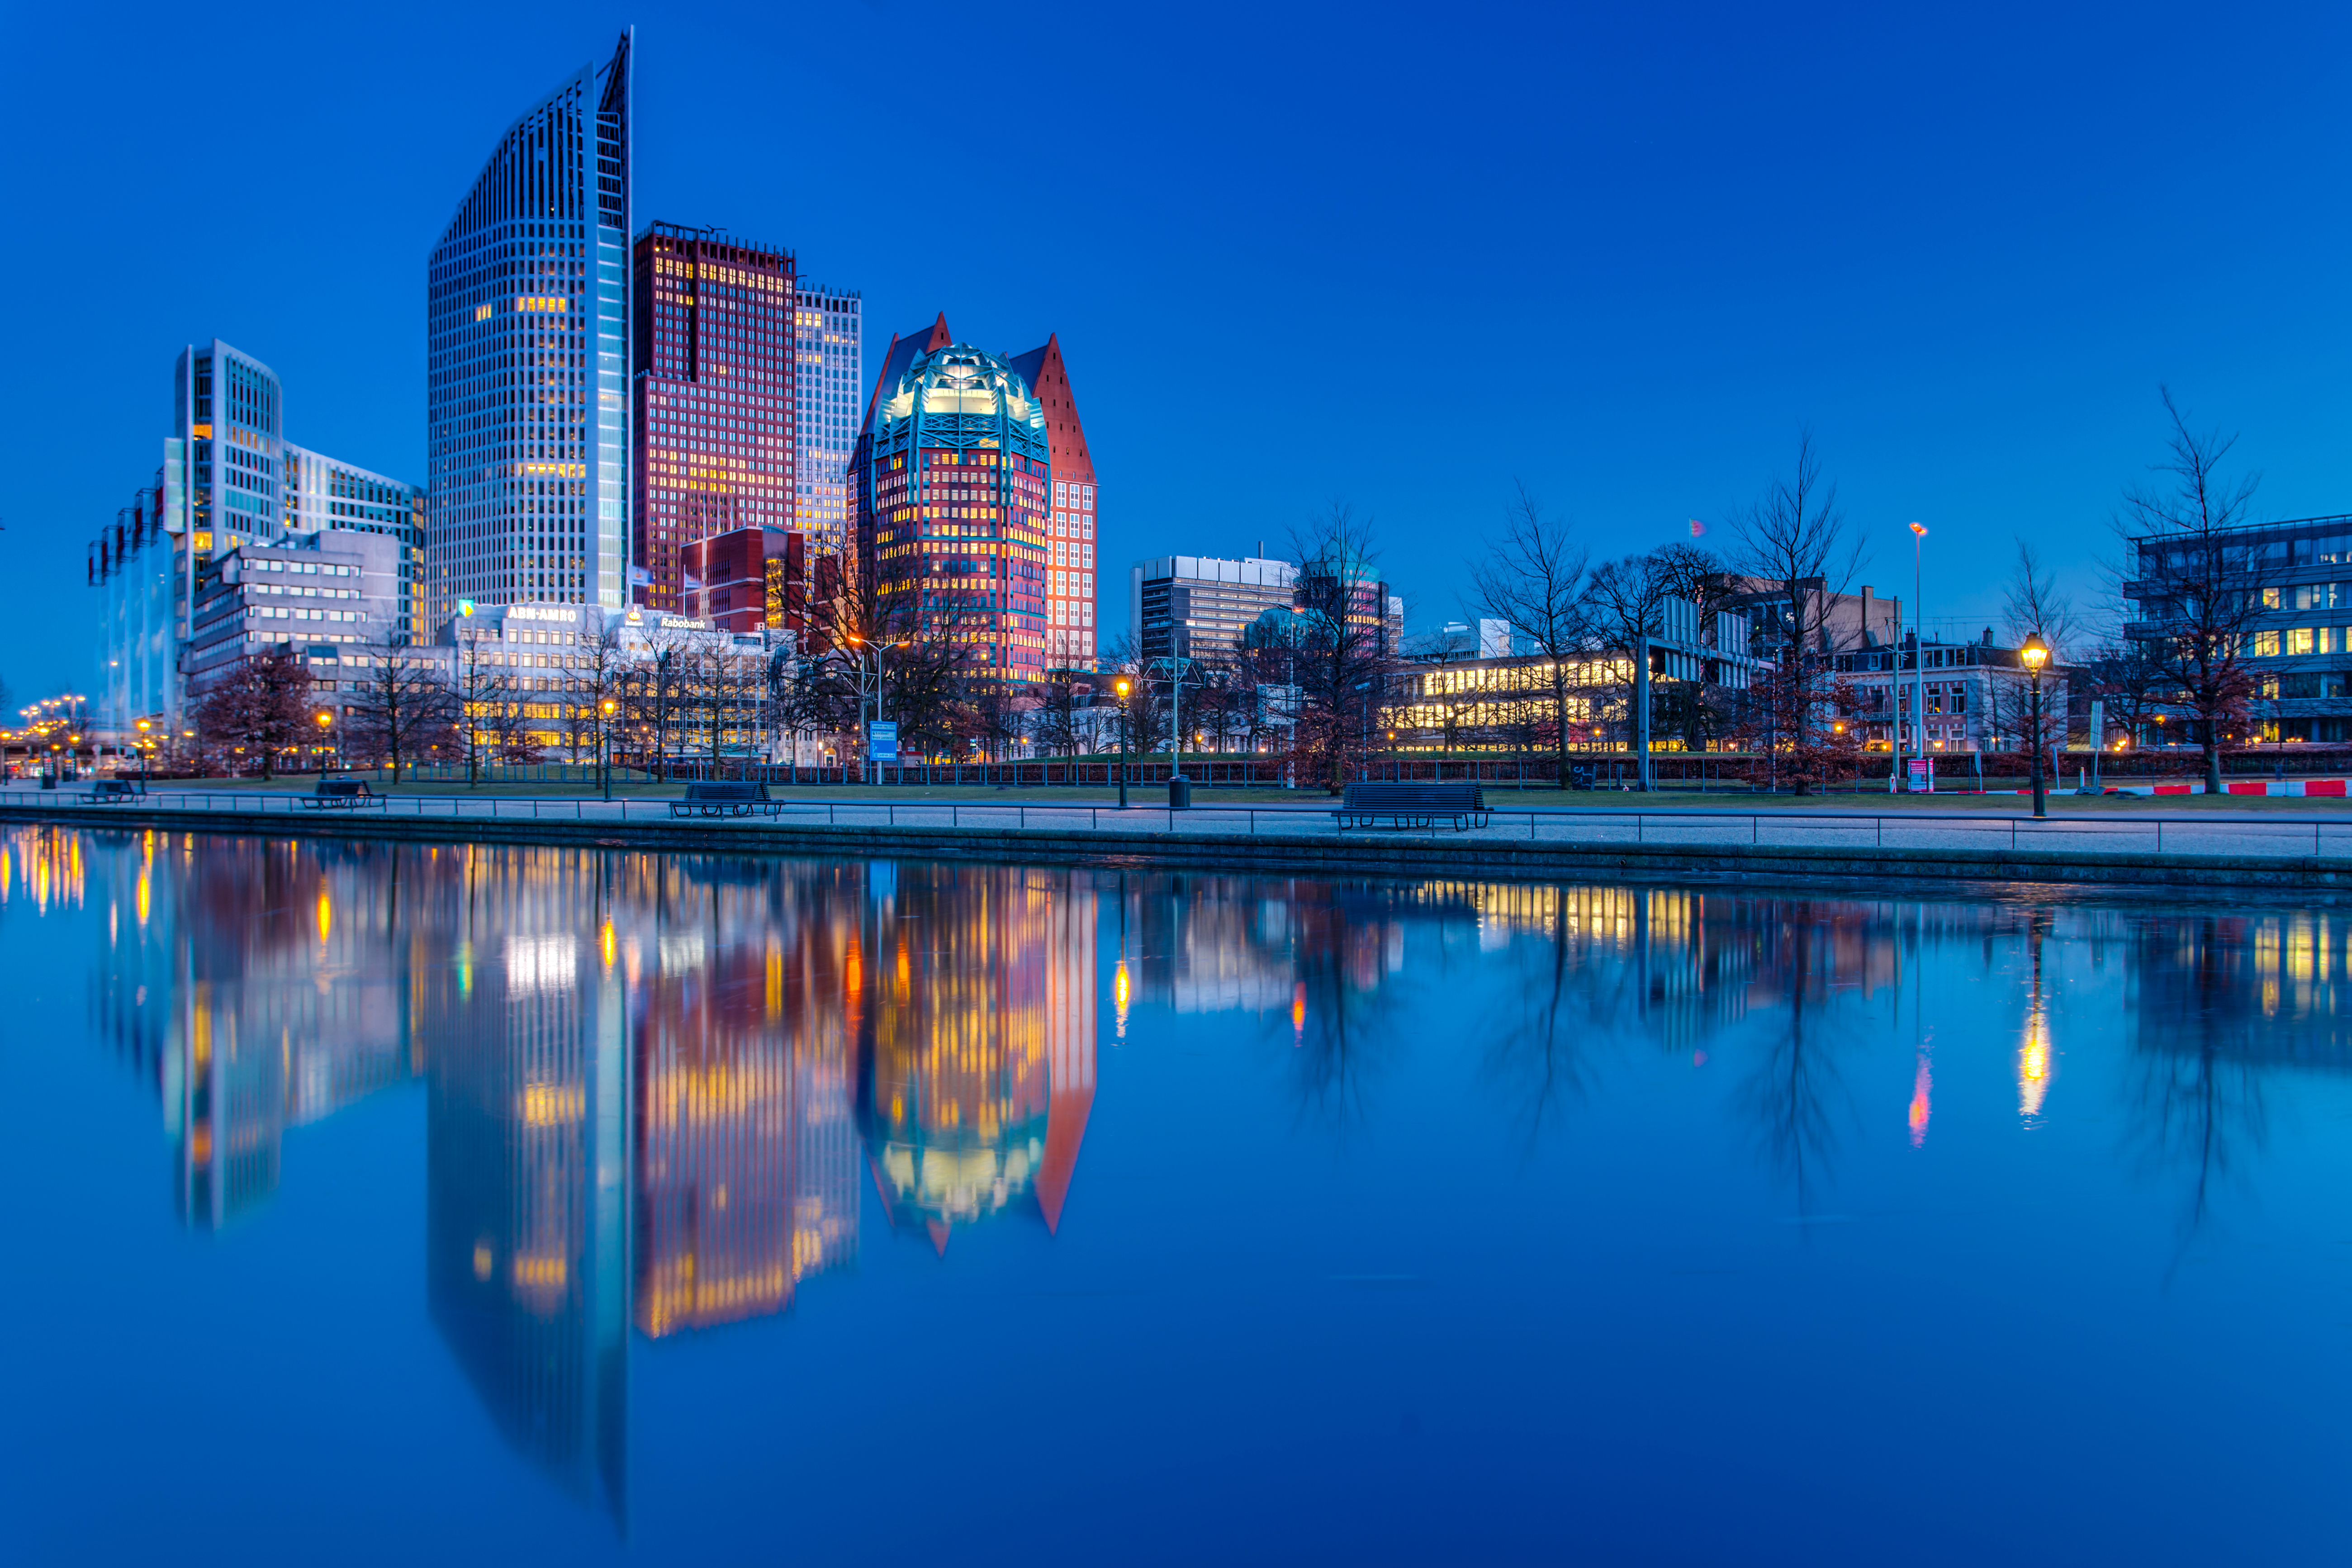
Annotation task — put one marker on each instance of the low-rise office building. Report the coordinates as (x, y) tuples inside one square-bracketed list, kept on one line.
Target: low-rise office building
[(1198, 606), (320, 594)]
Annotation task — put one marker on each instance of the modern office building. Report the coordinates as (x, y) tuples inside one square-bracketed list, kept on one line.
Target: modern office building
[(749, 580), (528, 347), (325, 495), (1070, 593), (229, 480), (321, 595), (1197, 606), (948, 495), (827, 325), (713, 398)]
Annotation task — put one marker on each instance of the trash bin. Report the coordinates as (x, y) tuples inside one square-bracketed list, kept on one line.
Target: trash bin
[(49, 781), (1179, 793)]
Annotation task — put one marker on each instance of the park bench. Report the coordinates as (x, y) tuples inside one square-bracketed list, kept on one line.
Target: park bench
[(1412, 805), (341, 793), (109, 792), (725, 800)]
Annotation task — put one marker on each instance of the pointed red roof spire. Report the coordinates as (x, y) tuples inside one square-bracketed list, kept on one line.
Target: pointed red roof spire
[(940, 337)]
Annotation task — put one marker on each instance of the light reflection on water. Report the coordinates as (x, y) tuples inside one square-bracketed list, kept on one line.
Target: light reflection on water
[(663, 1095)]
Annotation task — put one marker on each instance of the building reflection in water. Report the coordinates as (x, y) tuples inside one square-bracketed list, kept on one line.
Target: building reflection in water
[(654, 1086), (657, 1087)]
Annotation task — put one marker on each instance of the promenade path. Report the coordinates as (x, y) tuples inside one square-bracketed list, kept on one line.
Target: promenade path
[(2324, 831)]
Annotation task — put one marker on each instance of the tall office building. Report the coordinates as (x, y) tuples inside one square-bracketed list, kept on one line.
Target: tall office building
[(527, 400), (827, 328), (713, 398), (1070, 597), (229, 480), (948, 488)]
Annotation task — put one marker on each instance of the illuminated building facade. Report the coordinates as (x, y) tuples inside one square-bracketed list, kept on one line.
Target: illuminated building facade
[(527, 384), (748, 580), (714, 397), (326, 596), (1070, 592), (828, 327), (229, 481), (1196, 606), (949, 490), (324, 495)]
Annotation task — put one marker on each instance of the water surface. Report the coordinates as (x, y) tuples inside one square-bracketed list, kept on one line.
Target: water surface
[(384, 1203)]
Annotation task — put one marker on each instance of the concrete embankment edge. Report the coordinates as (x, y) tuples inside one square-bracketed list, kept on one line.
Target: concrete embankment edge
[(1369, 856)]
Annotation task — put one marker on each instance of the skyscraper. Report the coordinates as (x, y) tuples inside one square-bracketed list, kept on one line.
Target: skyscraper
[(229, 481), (713, 398), (948, 494), (1070, 597), (827, 328), (527, 306)]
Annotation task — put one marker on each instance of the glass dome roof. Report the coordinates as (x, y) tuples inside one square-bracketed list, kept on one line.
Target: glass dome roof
[(963, 384)]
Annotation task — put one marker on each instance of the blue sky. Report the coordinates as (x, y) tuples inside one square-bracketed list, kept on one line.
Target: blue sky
[(1402, 256)]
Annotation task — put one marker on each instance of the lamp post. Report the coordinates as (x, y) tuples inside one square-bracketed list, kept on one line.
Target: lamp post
[(1918, 643), (2036, 653), (604, 743), (144, 744), (1122, 688), (327, 733)]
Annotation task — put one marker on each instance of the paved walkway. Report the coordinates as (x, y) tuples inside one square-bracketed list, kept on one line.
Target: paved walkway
[(2320, 831)]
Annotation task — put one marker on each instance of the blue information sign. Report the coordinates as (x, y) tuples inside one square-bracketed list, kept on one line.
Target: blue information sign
[(882, 741)]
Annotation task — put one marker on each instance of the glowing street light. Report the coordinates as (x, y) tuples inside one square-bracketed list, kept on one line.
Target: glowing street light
[(1120, 685), (2036, 653)]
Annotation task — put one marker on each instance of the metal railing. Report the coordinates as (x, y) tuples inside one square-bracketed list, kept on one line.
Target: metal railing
[(1684, 827)]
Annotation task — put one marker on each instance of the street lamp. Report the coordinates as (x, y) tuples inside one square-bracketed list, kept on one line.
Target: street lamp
[(327, 733), (1918, 650), (2036, 653), (144, 744), (604, 742), (1120, 685)]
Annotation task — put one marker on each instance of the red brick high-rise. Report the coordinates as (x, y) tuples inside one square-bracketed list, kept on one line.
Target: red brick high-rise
[(1070, 593), (713, 386)]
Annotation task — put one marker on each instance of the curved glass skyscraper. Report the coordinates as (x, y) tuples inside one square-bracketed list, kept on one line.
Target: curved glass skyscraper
[(527, 301), (948, 490)]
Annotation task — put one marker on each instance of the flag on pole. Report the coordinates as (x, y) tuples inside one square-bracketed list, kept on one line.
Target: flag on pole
[(1697, 528)]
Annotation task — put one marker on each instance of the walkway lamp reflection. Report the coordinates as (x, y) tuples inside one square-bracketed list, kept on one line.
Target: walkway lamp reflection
[(2036, 653)]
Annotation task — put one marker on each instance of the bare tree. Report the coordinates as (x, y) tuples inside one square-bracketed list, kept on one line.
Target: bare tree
[(1797, 557), (2200, 589), (1534, 577), (261, 709), (402, 705), (600, 672), (2033, 605), (484, 700), (1342, 656)]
